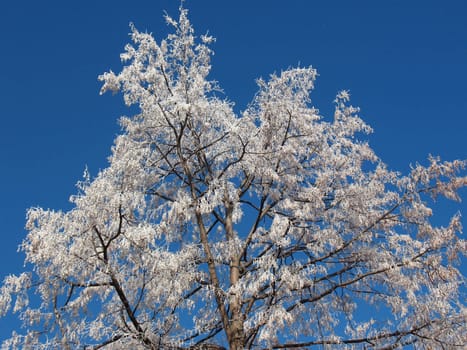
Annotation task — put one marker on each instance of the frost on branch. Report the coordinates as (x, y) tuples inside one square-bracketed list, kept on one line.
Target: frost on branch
[(275, 228)]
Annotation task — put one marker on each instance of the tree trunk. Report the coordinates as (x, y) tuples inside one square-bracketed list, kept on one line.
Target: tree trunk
[(237, 332)]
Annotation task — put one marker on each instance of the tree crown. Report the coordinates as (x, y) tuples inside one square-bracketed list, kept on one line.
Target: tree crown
[(269, 229)]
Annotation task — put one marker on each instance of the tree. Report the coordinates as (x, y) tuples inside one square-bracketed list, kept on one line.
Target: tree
[(271, 229)]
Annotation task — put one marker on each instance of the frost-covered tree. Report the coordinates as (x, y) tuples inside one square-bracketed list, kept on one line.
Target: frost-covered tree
[(275, 228)]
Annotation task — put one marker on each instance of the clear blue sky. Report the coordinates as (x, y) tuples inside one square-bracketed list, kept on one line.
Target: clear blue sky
[(404, 62)]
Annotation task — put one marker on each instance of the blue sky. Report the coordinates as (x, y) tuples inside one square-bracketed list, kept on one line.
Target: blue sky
[(404, 62)]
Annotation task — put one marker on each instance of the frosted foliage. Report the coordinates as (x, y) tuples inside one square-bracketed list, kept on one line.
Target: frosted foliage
[(273, 228)]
